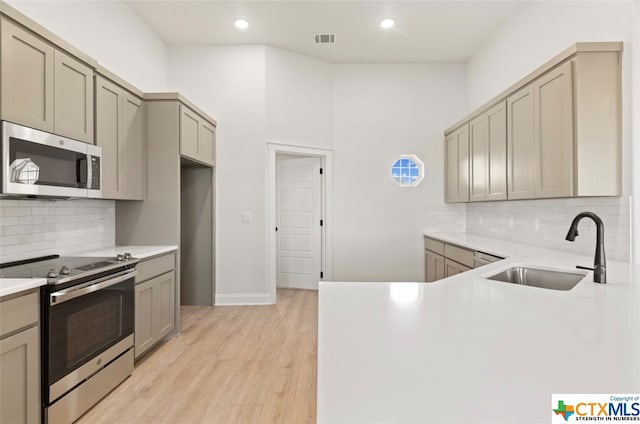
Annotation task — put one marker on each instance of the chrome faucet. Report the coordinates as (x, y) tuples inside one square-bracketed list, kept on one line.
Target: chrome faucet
[(599, 262)]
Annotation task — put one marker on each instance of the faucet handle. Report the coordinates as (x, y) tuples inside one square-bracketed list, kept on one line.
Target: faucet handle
[(584, 267)]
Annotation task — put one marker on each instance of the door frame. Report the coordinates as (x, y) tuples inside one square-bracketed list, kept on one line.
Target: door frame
[(326, 196)]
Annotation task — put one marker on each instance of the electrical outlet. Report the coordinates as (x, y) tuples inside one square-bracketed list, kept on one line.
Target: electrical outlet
[(101, 225)]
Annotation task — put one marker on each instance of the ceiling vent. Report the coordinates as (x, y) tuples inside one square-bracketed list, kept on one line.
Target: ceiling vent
[(325, 38)]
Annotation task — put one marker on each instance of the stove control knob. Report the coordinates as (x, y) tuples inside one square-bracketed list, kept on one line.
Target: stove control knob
[(65, 270), (127, 256), (52, 273), (120, 257)]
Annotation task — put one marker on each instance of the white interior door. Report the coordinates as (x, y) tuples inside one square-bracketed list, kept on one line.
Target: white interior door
[(299, 245)]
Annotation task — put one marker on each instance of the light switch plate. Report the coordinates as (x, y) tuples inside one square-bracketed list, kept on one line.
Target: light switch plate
[(246, 217)]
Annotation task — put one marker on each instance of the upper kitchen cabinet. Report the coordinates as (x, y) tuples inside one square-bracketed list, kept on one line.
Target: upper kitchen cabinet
[(541, 137), (120, 131), (488, 155), (196, 129), (457, 165), (26, 72), (521, 144), (197, 136), (553, 138), (42, 86), (73, 98), (563, 131)]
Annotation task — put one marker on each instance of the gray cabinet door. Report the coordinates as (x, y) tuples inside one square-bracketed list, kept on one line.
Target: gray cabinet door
[(189, 129), (132, 147), (479, 158), (27, 62), (73, 98), (20, 377), (553, 95), (207, 143), (451, 268), (457, 165), (434, 264), (521, 144), (120, 133), (155, 311), (108, 105), (496, 119), (165, 289), (144, 316)]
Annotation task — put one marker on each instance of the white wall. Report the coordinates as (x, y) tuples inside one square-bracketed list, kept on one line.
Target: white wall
[(108, 31), (536, 34), (380, 112), (299, 97), (539, 32), (369, 114), (229, 83), (258, 94)]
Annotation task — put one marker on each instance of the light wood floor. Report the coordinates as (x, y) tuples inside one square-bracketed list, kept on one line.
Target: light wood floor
[(231, 364)]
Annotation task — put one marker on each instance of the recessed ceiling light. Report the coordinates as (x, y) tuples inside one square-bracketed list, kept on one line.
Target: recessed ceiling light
[(387, 23), (241, 23)]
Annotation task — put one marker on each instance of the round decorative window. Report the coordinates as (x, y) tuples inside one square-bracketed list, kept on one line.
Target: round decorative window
[(407, 171)]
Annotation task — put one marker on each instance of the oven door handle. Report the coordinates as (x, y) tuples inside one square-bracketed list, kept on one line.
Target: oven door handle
[(68, 294)]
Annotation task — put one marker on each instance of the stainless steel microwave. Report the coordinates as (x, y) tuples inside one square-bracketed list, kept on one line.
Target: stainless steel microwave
[(36, 163)]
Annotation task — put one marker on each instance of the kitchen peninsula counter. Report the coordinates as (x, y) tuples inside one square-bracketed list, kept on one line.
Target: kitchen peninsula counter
[(468, 349)]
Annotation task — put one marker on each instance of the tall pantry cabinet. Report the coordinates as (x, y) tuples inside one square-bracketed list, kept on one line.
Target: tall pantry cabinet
[(179, 200)]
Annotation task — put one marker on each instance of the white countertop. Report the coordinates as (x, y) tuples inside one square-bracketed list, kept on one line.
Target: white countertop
[(467, 349), (140, 252), (15, 285)]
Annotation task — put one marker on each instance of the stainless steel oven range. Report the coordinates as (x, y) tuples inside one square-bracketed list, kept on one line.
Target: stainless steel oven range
[(87, 321)]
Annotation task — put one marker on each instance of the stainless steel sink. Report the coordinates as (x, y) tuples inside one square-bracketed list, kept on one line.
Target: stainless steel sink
[(546, 279)]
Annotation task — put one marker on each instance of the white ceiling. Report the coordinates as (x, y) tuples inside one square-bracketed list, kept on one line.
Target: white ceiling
[(425, 31)]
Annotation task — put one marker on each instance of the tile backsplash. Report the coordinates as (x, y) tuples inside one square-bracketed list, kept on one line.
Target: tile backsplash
[(31, 228), (545, 223), (448, 218)]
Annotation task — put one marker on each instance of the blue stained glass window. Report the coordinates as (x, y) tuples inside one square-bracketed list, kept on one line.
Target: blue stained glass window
[(407, 171)]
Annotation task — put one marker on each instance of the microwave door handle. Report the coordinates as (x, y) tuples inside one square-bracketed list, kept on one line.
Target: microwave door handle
[(81, 172), (65, 295)]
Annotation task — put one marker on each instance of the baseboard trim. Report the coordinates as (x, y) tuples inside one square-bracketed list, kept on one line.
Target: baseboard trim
[(243, 299)]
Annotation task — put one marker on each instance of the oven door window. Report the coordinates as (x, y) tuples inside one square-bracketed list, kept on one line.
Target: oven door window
[(87, 325), (53, 166)]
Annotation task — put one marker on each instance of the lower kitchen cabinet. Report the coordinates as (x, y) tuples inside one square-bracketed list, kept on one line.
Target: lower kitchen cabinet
[(20, 360), (444, 260), (453, 268), (154, 302), (434, 266)]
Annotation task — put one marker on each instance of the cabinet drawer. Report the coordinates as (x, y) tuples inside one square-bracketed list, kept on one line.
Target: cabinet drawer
[(458, 254), (19, 312), (155, 266), (434, 245)]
